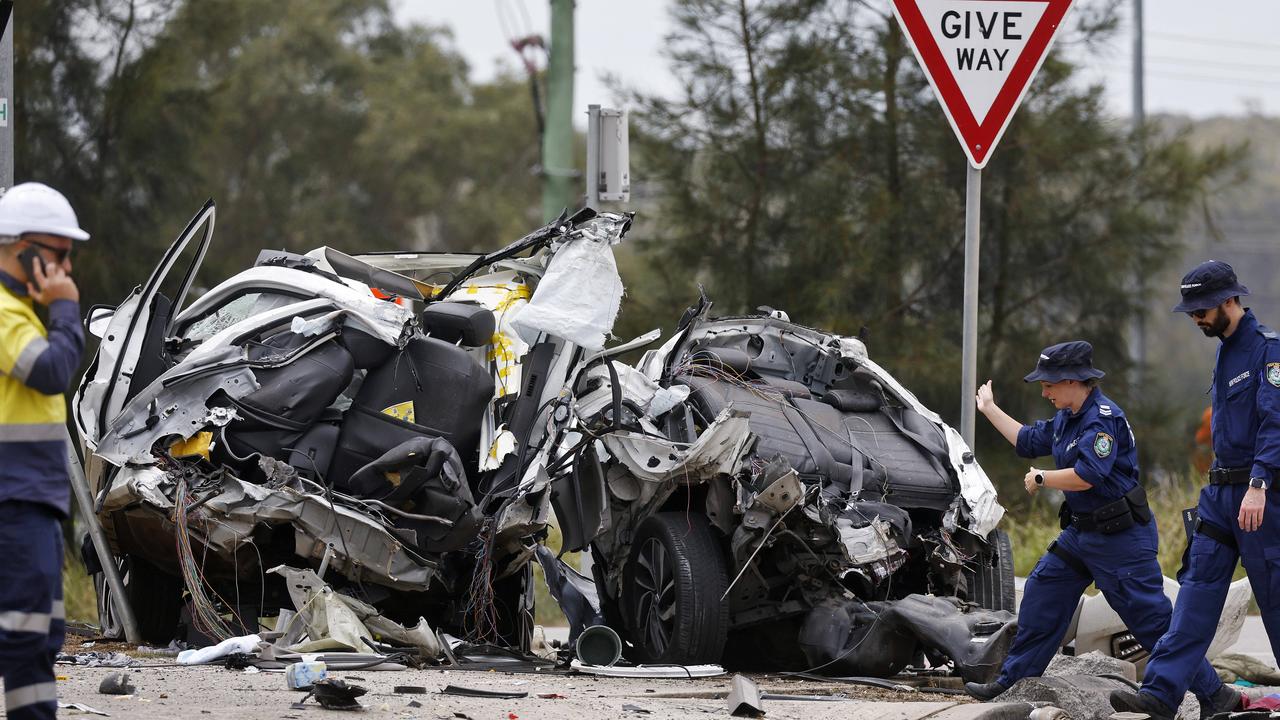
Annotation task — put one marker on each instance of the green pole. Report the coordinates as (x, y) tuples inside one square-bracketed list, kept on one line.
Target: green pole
[(559, 177)]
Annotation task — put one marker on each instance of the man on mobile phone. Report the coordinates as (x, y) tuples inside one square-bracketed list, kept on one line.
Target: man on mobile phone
[(37, 231)]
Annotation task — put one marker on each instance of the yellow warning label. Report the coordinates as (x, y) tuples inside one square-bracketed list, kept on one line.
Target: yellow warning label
[(401, 411), (195, 446)]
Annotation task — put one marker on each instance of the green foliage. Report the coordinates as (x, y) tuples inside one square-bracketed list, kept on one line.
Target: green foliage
[(310, 122), (808, 167), (1033, 525)]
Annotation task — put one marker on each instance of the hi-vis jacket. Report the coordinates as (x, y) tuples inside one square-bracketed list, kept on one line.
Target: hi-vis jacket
[(36, 366)]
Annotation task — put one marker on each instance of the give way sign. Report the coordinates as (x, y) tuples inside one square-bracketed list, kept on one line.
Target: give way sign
[(980, 57)]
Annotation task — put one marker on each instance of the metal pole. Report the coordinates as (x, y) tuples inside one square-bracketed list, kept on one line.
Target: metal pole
[(593, 157), (969, 348), (80, 488), (6, 96), (558, 172), (1138, 341)]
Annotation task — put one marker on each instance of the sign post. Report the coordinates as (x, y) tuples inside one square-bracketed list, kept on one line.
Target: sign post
[(980, 57)]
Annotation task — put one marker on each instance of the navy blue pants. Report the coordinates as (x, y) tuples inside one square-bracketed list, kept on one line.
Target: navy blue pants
[(1125, 569), (31, 612), (1205, 584)]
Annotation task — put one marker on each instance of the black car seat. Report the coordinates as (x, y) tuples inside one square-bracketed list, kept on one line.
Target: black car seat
[(432, 387)]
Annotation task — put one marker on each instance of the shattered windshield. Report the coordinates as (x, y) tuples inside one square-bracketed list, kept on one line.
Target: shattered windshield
[(232, 312)]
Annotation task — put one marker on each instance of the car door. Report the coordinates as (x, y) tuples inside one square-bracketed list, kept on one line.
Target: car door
[(132, 349)]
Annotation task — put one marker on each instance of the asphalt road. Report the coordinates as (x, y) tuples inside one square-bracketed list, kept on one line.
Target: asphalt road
[(195, 692)]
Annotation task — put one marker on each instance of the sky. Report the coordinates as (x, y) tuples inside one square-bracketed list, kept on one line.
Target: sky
[(1202, 59)]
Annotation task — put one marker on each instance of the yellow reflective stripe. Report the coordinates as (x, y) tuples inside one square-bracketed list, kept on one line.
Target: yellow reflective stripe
[(26, 361), (38, 432), (23, 622), (14, 698)]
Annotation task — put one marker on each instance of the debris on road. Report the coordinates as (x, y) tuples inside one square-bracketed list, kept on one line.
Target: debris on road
[(97, 659), (673, 672), (116, 684), (744, 698), (303, 675), (335, 694), (481, 693), (82, 708), (409, 690), (230, 646)]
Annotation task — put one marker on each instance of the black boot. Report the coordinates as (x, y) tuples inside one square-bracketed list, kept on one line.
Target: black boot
[(1227, 699), (1130, 701), (984, 691)]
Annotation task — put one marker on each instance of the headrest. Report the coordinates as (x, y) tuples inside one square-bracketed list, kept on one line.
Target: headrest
[(454, 321)]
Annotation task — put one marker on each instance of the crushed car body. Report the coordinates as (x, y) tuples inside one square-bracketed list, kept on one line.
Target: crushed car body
[(368, 417), (401, 427), (757, 489)]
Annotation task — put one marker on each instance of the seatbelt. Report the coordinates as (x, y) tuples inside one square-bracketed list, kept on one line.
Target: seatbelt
[(1074, 562)]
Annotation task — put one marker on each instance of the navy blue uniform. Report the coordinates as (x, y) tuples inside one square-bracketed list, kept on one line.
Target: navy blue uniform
[(1246, 434), (36, 365), (1097, 443)]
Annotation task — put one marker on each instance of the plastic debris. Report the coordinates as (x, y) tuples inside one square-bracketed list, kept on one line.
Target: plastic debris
[(480, 693), (303, 675), (97, 659), (649, 671), (116, 684), (635, 709), (410, 689), (243, 644), (334, 694), (82, 708)]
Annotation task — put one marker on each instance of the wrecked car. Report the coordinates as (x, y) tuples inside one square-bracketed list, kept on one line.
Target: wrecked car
[(368, 417), (763, 493)]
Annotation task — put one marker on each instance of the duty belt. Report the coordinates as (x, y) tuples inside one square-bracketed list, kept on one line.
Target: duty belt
[(1113, 517), (1229, 476)]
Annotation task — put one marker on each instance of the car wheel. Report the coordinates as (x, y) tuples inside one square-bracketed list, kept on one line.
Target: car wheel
[(991, 584), (671, 591), (154, 596)]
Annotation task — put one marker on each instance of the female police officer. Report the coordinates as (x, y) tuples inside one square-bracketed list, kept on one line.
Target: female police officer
[(1108, 535)]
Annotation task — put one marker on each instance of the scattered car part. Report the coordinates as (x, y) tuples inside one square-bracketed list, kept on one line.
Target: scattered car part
[(336, 694), (482, 693), (649, 671), (116, 684), (598, 645), (744, 698)]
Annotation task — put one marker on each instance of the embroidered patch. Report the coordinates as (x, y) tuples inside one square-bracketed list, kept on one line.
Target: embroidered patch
[(1103, 444), (1273, 373)]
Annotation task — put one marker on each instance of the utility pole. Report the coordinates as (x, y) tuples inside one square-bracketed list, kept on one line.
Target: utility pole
[(6, 95), (1138, 342), (559, 177)]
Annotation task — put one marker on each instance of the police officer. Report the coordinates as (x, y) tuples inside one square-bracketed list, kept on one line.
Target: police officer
[(1105, 508), (1239, 512), (37, 231)]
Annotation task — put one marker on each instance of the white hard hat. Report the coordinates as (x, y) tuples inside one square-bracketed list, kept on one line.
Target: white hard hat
[(34, 207)]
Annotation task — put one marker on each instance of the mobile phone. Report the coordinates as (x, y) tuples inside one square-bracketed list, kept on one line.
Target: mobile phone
[(29, 258)]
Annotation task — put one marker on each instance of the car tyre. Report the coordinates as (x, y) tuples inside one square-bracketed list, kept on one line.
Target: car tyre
[(672, 589), (155, 596), (991, 584)]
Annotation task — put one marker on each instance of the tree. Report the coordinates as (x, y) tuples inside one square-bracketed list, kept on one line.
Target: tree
[(808, 167), (309, 122)]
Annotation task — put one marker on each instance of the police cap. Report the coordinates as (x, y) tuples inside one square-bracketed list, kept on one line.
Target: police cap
[(1208, 285), (1071, 360)]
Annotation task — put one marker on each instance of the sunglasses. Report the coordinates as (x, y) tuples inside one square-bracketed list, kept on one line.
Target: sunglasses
[(1198, 314), (60, 254)]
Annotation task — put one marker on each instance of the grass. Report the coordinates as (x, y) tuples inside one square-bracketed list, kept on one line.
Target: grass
[(1033, 526)]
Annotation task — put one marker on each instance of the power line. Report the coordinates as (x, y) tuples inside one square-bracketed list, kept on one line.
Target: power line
[(1215, 63), (1222, 42)]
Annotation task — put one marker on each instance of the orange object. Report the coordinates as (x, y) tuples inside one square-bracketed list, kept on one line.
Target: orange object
[(1202, 456)]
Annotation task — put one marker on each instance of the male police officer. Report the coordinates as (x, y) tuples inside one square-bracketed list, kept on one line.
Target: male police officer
[(37, 229), (1239, 512), (1105, 508)]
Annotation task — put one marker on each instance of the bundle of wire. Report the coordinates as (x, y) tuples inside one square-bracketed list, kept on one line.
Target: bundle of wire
[(204, 611), (481, 613)]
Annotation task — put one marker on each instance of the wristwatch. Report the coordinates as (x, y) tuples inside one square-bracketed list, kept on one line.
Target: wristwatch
[(1257, 482), (1040, 478)]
